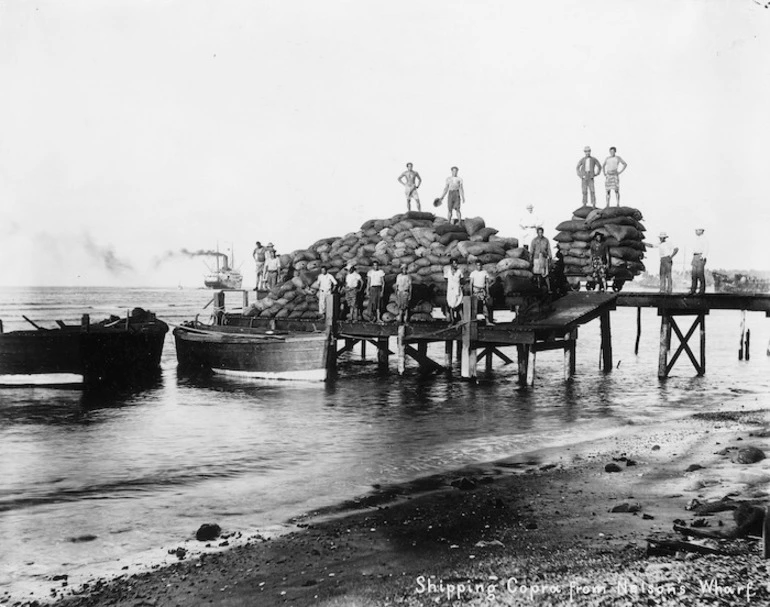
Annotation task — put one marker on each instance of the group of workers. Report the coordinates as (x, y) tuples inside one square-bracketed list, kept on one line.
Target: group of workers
[(533, 240), (355, 286), (268, 266)]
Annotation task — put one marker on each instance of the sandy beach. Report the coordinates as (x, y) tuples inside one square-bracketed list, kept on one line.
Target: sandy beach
[(538, 528)]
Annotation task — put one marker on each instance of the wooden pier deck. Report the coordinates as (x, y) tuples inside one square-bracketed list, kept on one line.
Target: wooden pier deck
[(554, 327), (539, 325), (673, 305), (684, 302)]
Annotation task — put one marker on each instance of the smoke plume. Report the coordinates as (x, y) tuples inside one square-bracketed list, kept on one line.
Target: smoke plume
[(188, 253), (105, 255)]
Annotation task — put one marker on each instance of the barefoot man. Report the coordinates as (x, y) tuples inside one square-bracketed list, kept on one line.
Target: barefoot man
[(612, 171), (411, 180), (454, 188)]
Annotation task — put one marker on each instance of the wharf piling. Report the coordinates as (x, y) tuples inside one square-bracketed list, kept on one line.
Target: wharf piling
[(540, 325), (554, 327), (673, 306)]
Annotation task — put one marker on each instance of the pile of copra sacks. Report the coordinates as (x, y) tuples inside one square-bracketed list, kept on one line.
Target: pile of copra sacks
[(421, 240), (623, 233)]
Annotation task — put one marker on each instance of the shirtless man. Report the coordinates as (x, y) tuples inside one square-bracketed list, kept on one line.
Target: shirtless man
[(411, 180), (259, 260), (611, 173), (454, 187)]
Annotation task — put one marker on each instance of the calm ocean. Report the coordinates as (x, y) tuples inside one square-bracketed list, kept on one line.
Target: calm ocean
[(137, 472)]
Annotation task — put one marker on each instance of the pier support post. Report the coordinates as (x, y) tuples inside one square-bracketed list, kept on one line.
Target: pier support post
[(665, 332), (332, 315), (531, 365), (382, 352), (470, 335), (422, 351), (638, 330), (569, 355), (606, 342), (400, 347), (702, 370), (488, 365), (363, 349), (448, 354), (742, 339), (523, 360), (1, 327), (748, 341), (667, 325), (85, 322)]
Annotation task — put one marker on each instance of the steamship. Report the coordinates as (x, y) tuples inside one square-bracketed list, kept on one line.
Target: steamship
[(225, 276)]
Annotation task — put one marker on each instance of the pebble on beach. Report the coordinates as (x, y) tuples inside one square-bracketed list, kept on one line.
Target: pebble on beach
[(207, 532)]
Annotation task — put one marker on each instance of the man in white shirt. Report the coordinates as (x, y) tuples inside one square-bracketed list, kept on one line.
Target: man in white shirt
[(353, 289), (611, 173), (667, 252), (587, 168), (411, 180), (480, 280), (375, 279), (454, 291), (529, 224), (272, 267), (326, 284), (700, 251), (456, 194)]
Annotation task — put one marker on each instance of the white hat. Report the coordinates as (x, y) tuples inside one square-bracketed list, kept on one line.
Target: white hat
[(662, 235), (587, 148)]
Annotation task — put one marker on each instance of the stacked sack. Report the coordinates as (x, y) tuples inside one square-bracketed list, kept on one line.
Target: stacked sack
[(424, 242), (623, 233)]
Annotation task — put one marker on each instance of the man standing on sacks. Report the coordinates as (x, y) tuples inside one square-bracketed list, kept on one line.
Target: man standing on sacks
[(587, 168)]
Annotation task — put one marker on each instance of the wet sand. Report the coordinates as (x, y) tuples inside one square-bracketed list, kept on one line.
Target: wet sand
[(533, 529)]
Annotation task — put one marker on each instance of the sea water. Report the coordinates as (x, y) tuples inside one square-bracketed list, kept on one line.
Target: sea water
[(95, 480)]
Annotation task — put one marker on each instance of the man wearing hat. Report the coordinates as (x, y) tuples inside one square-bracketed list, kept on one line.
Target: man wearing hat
[(587, 168), (667, 252), (272, 266), (529, 224), (700, 251)]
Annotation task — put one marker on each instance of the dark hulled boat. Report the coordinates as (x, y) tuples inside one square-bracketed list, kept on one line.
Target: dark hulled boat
[(114, 351), (243, 346)]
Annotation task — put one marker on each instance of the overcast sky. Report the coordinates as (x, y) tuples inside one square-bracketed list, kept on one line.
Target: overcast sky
[(129, 129)]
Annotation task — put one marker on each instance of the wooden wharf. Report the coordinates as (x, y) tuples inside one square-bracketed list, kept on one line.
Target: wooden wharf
[(556, 327), (672, 306), (537, 327)]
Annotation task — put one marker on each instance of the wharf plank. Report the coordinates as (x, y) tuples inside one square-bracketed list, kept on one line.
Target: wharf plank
[(696, 303), (574, 309)]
